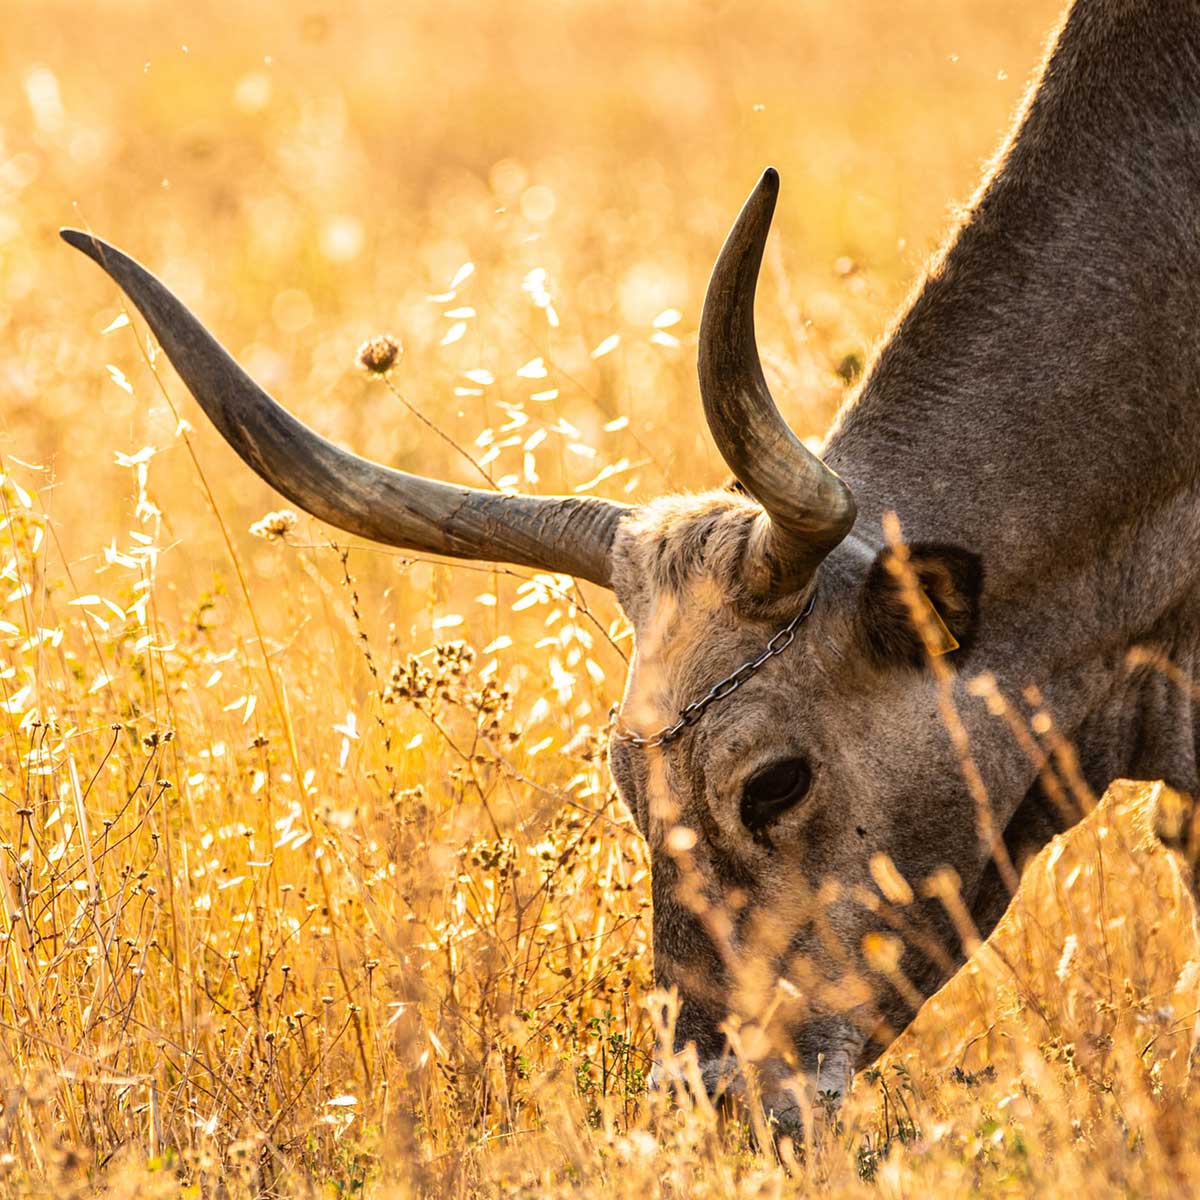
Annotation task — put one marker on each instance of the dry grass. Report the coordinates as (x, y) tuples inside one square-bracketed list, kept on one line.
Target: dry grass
[(300, 894)]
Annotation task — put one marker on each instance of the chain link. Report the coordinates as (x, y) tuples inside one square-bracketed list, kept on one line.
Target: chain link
[(726, 687)]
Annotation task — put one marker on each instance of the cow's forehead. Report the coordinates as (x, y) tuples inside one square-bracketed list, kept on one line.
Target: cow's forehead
[(677, 570), (689, 545), (685, 640)]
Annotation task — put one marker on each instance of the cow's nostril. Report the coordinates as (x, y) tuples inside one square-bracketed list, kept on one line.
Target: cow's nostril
[(723, 1084)]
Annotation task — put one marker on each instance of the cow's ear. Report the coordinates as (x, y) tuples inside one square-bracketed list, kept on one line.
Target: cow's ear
[(949, 577)]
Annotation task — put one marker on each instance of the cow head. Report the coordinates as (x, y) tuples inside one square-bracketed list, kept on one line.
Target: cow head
[(783, 819), (775, 816)]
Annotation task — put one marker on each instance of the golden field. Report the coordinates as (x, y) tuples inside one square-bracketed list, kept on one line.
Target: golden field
[(312, 880)]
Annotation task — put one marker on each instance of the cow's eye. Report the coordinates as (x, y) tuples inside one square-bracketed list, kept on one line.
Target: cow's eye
[(771, 792)]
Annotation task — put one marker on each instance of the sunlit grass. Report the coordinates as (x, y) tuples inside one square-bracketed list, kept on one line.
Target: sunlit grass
[(311, 874)]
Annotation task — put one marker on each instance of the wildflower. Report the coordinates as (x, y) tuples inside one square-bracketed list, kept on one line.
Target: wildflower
[(409, 681), (275, 526), (379, 354)]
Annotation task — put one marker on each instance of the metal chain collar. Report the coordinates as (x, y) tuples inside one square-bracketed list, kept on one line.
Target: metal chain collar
[(727, 686)]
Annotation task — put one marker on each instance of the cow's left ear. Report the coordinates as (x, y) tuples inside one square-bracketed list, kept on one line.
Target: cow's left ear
[(951, 579)]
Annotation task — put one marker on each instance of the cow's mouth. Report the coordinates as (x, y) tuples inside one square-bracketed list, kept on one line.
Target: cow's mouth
[(777, 1101), (772, 1096)]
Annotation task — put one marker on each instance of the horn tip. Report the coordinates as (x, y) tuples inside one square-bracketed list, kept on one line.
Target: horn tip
[(88, 243), (769, 180)]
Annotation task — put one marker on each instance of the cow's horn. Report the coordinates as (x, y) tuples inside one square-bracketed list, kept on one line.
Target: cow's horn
[(809, 508), (569, 534)]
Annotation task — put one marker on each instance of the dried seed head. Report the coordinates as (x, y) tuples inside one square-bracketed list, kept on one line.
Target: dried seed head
[(379, 354), (275, 526)]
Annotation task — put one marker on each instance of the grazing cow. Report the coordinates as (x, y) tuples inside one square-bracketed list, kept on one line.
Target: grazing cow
[(814, 714)]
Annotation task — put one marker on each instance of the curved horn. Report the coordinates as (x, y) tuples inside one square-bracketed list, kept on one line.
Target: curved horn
[(808, 507), (569, 534)]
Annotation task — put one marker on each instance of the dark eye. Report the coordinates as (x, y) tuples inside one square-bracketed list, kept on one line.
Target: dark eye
[(772, 792)]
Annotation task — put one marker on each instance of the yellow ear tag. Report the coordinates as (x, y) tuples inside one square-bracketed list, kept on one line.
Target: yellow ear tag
[(948, 642)]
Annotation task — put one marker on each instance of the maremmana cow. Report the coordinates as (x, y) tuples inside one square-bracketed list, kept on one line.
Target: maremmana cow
[(792, 751)]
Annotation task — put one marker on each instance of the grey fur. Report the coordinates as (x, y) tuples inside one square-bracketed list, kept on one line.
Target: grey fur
[(1035, 405)]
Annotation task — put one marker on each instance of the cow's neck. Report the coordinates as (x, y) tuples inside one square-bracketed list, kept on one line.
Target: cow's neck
[(1038, 401), (1042, 386)]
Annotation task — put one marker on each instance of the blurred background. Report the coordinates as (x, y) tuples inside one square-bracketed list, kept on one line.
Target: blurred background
[(307, 176), (388, 915)]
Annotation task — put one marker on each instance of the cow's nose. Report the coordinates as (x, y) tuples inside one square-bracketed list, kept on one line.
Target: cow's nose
[(682, 1073), (722, 1080), (674, 1072), (661, 1076)]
